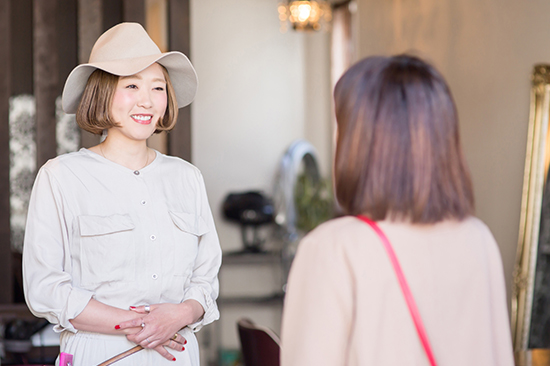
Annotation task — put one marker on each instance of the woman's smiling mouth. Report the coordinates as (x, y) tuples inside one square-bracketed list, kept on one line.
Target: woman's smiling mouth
[(142, 119)]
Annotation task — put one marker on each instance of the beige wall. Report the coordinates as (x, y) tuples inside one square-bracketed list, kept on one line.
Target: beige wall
[(259, 89), (486, 50), (253, 97)]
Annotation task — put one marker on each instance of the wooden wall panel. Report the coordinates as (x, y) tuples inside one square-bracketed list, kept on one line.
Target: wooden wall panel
[(90, 27), (67, 45), (21, 47), (46, 78), (179, 139), (111, 13), (6, 285), (133, 11)]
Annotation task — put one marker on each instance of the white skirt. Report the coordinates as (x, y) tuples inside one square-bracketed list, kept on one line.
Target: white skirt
[(91, 349)]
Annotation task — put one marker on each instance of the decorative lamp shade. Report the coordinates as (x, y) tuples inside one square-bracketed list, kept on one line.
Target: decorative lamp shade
[(305, 15)]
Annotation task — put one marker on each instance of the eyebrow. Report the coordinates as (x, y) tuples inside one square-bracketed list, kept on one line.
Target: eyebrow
[(135, 76)]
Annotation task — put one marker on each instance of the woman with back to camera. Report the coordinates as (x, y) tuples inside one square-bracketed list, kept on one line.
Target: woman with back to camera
[(120, 246), (398, 164)]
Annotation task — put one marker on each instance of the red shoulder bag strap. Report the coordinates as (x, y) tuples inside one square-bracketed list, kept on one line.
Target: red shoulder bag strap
[(405, 288)]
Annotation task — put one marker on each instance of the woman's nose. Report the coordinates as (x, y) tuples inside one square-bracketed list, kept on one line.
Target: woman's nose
[(145, 99)]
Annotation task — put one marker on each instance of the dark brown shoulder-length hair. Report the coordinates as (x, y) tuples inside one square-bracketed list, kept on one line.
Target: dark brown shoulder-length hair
[(398, 153), (94, 111)]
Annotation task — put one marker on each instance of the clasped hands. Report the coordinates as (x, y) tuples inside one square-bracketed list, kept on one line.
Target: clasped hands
[(157, 329)]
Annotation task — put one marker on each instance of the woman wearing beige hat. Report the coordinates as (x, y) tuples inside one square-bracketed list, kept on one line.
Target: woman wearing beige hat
[(120, 246)]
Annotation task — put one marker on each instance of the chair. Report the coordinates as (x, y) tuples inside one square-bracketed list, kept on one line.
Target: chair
[(260, 345)]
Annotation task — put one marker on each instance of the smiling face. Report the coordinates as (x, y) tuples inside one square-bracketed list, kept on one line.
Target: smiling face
[(138, 103)]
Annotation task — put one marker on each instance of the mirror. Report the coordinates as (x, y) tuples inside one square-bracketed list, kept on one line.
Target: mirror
[(530, 308)]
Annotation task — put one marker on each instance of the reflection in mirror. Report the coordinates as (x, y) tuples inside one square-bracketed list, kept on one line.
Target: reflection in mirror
[(531, 292)]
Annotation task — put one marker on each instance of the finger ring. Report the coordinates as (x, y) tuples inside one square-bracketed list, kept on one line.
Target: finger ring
[(142, 325), (147, 308), (175, 336), (147, 339)]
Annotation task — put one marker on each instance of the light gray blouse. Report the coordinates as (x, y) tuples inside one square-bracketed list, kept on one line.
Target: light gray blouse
[(98, 229)]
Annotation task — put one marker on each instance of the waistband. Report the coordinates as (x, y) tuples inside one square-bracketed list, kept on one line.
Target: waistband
[(185, 332)]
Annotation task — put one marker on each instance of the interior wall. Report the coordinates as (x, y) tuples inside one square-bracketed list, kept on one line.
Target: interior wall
[(249, 104), (486, 50), (259, 90), (318, 128)]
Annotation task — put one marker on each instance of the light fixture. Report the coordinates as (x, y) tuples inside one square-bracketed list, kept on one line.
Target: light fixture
[(305, 15)]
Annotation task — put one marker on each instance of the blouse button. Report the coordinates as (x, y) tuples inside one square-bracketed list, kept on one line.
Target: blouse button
[(143, 202), (155, 276), (136, 172), (153, 237)]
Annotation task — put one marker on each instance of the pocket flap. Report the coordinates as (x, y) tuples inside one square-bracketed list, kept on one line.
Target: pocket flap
[(191, 223), (101, 225)]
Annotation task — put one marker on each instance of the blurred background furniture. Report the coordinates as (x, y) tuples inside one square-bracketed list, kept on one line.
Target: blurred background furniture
[(260, 345), (23, 337)]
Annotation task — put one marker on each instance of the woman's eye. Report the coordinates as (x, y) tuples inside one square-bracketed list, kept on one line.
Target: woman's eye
[(159, 88), (131, 86)]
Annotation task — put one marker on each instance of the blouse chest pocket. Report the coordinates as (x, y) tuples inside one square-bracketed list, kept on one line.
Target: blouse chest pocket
[(189, 229), (107, 251)]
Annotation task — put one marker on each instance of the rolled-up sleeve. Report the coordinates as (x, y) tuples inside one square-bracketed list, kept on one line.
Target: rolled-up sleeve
[(204, 285), (47, 282)]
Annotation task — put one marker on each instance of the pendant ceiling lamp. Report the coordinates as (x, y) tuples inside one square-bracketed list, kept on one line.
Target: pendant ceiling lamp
[(305, 15)]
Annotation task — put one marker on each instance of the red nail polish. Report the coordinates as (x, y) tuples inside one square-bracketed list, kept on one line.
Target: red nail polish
[(185, 341), (182, 349), (174, 359), (117, 326), (132, 307)]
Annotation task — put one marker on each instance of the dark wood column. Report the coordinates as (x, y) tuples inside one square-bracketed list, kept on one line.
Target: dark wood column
[(111, 13), (179, 139), (67, 33), (133, 11), (90, 27), (6, 285), (21, 47), (46, 78)]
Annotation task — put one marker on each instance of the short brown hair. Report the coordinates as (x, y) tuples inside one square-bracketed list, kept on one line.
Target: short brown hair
[(398, 153), (94, 110)]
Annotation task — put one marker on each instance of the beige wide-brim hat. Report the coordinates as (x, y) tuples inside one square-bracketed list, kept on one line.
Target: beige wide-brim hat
[(124, 50)]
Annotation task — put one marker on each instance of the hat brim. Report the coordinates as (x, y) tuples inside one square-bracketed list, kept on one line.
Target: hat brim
[(182, 74)]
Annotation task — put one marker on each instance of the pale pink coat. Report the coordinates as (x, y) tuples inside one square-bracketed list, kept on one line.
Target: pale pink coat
[(344, 305)]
